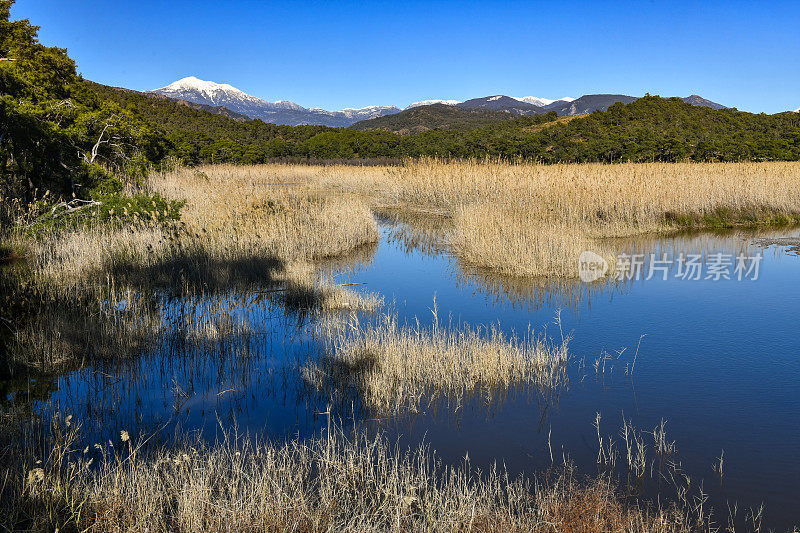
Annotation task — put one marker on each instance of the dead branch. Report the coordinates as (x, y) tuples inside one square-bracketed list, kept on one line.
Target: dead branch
[(95, 149), (68, 208)]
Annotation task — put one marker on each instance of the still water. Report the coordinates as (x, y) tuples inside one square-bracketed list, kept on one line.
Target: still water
[(717, 359)]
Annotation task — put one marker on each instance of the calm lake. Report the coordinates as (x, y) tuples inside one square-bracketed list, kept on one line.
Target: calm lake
[(717, 359)]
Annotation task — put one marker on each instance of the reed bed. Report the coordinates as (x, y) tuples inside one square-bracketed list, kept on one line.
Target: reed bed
[(396, 368), (514, 244), (340, 481), (522, 219), (514, 216), (231, 234)]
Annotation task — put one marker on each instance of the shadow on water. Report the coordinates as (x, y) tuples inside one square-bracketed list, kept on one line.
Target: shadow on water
[(198, 271)]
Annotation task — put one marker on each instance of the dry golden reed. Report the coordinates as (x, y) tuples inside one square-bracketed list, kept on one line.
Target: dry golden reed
[(530, 219), (233, 232), (398, 367), (336, 482)]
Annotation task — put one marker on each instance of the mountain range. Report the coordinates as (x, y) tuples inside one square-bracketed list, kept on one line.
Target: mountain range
[(208, 93), (230, 101)]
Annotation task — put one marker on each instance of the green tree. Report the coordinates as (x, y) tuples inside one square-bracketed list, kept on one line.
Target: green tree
[(56, 134)]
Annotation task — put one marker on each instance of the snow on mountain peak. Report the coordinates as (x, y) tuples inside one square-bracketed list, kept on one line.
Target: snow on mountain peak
[(205, 92), (193, 89), (432, 102), (370, 111), (192, 82), (541, 102)]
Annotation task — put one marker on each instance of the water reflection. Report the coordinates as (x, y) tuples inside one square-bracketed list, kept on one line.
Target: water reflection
[(719, 362)]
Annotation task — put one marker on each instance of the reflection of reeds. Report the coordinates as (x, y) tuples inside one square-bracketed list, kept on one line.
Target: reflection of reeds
[(414, 231), (65, 335), (336, 482), (400, 367), (128, 324), (534, 293)]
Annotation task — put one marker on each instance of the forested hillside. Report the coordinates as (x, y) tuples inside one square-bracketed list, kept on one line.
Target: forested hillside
[(59, 132), (649, 129), (439, 117), (55, 133)]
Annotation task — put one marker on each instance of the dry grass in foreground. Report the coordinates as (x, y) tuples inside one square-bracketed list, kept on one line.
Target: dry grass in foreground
[(529, 219), (333, 483), (403, 367)]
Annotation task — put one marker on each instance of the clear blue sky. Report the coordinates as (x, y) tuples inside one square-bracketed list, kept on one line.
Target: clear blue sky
[(340, 54)]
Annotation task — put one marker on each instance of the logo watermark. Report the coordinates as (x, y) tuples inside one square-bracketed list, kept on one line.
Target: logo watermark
[(591, 266), (693, 267)]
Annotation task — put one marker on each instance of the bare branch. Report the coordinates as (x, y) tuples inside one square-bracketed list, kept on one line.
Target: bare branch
[(69, 208), (100, 141)]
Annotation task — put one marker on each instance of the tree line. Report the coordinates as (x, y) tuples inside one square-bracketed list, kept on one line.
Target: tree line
[(62, 133)]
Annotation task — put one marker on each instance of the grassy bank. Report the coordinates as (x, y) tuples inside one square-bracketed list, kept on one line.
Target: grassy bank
[(232, 232), (96, 287), (337, 482)]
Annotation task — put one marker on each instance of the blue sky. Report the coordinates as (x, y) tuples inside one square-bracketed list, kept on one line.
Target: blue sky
[(341, 54)]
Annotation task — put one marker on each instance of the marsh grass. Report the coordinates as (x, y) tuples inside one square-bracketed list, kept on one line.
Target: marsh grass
[(396, 368), (339, 481), (234, 233), (529, 219)]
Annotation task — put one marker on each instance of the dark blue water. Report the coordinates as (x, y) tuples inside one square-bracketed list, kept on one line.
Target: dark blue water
[(719, 362)]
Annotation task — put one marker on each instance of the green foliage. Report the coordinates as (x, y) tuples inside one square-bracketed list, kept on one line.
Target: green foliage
[(649, 129), (120, 208), (54, 130)]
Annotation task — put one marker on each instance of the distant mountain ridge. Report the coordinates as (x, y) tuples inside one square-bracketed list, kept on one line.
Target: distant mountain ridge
[(502, 103), (435, 116), (227, 99), (535, 100), (648, 129), (588, 103), (203, 92)]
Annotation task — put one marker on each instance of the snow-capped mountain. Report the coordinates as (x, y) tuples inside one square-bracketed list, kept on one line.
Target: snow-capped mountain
[(541, 102), (433, 102), (370, 111), (192, 89), (223, 97)]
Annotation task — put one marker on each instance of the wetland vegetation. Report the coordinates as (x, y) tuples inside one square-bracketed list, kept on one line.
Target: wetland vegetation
[(269, 239), (282, 346)]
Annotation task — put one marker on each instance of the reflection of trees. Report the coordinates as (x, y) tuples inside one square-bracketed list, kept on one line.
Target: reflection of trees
[(222, 336)]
